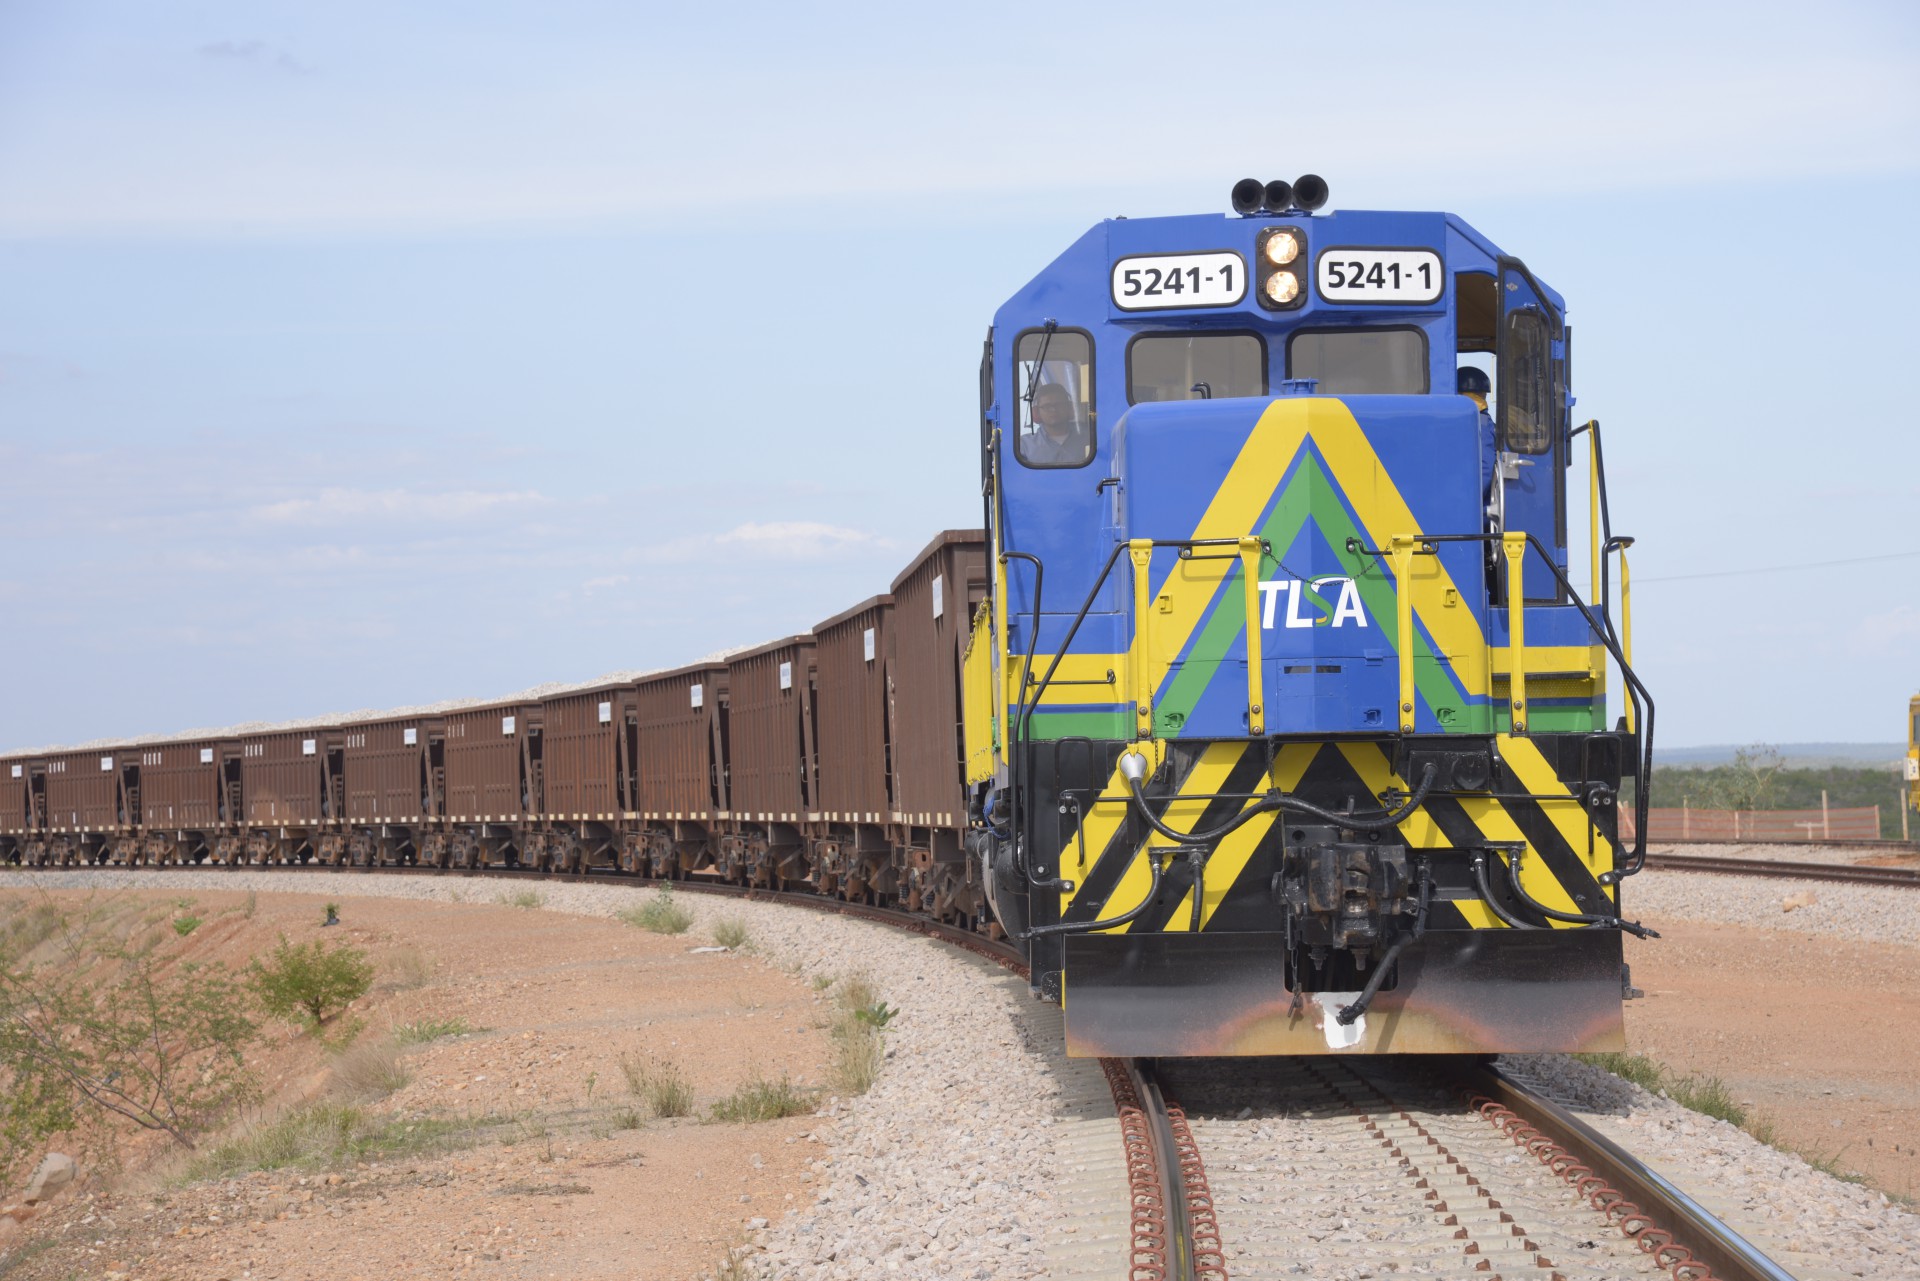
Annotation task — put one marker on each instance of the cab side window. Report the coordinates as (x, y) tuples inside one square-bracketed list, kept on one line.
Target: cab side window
[(1053, 385), (1195, 367), (1527, 402)]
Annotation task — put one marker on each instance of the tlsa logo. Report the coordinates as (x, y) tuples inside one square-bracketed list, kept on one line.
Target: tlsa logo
[(1308, 607)]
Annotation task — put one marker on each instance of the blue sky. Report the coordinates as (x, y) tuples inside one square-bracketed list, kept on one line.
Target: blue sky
[(357, 354)]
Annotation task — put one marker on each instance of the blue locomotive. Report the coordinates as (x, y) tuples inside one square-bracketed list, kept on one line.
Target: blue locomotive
[(1288, 729)]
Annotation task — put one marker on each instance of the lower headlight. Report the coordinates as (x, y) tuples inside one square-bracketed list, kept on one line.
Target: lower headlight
[(1283, 286)]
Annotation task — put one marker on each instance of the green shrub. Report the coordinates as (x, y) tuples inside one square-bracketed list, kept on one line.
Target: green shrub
[(185, 925), (660, 914), (661, 1083), (528, 899), (420, 1031), (730, 933), (761, 1099), (309, 983)]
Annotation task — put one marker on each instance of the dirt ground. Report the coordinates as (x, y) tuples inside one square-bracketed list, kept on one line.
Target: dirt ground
[(1819, 1035), (574, 1177)]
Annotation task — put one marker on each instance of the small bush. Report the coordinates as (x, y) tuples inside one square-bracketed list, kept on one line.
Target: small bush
[(730, 933), (408, 968), (762, 1100), (858, 1051), (308, 983), (369, 1071), (660, 914), (421, 1031), (185, 925), (821, 982), (330, 915), (527, 899), (661, 1083)]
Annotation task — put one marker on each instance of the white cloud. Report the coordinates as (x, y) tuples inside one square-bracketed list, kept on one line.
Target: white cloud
[(802, 539), (335, 504)]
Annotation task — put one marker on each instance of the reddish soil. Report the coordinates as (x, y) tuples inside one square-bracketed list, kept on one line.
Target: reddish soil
[(1819, 1035), (561, 1187)]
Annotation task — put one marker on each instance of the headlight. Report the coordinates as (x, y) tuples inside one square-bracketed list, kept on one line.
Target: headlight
[(1283, 287), (1282, 248)]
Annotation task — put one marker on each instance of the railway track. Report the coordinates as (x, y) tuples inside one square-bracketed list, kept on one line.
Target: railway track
[(1337, 1166), (1851, 873)]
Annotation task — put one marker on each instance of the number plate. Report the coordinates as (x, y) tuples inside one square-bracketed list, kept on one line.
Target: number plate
[(1379, 275), (1160, 281)]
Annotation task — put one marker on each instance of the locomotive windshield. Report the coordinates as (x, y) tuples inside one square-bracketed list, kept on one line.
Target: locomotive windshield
[(1196, 367), (1347, 362)]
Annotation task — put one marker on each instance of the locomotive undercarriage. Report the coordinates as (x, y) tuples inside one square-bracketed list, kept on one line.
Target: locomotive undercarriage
[(1366, 894)]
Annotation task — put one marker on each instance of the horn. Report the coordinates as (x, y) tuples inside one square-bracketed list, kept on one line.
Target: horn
[(1310, 191), (1246, 195), (1278, 197)]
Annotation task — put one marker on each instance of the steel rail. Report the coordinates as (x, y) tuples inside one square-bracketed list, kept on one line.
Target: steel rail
[(1852, 873), (1680, 1234)]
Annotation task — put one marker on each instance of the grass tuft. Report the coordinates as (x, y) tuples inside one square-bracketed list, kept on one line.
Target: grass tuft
[(370, 1070), (329, 1135), (421, 1031), (661, 1082), (730, 933), (761, 1099), (408, 968), (1707, 1095), (659, 914), (858, 1051), (527, 899)]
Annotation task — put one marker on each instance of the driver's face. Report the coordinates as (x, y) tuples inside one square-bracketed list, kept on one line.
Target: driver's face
[(1053, 411)]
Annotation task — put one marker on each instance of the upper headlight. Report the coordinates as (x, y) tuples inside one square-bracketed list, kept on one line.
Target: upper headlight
[(1282, 248)]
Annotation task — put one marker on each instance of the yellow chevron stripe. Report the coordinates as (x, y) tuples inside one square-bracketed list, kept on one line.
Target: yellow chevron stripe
[(1491, 817), (1568, 817), (1370, 763), (1230, 857), (1215, 763)]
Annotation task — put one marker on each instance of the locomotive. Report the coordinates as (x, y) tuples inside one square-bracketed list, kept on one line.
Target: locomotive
[(1261, 711), (1289, 727)]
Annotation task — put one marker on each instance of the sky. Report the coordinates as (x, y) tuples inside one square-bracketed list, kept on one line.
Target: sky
[(357, 355)]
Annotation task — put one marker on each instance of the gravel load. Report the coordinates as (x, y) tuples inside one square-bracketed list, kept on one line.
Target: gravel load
[(1809, 1222), (936, 1172)]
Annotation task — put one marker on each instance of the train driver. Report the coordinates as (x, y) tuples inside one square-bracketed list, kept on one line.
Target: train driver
[(1059, 437), (1474, 384)]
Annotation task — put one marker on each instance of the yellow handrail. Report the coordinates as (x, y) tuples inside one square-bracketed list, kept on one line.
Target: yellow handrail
[(1140, 552), (1593, 509), (1514, 548), (1626, 628), (1402, 549), (1250, 549)]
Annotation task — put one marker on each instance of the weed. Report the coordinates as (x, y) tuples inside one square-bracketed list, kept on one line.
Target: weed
[(326, 1135), (421, 1031), (660, 914), (526, 899), (1707, 1095), (251, 905), (879, 1014), (858, 1052), (662, 1083), (761, 1099), (332, 916), (627, 1119), (185, 925), (369, 1071), (730, 933), (408, 968), (821, 982), (308, 983)]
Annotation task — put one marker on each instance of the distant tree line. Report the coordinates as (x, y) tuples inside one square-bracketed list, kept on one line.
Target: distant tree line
[(1757, 779)]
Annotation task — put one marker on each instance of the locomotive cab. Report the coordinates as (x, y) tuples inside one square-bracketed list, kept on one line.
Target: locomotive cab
[(1288, 728)]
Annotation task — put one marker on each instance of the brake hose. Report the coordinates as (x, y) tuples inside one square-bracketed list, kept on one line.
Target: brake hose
[(1274, 800), (1572, 918)]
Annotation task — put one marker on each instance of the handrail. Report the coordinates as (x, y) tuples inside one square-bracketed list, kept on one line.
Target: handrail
[(1250, 552), (1514, 547), (1426, 545)]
